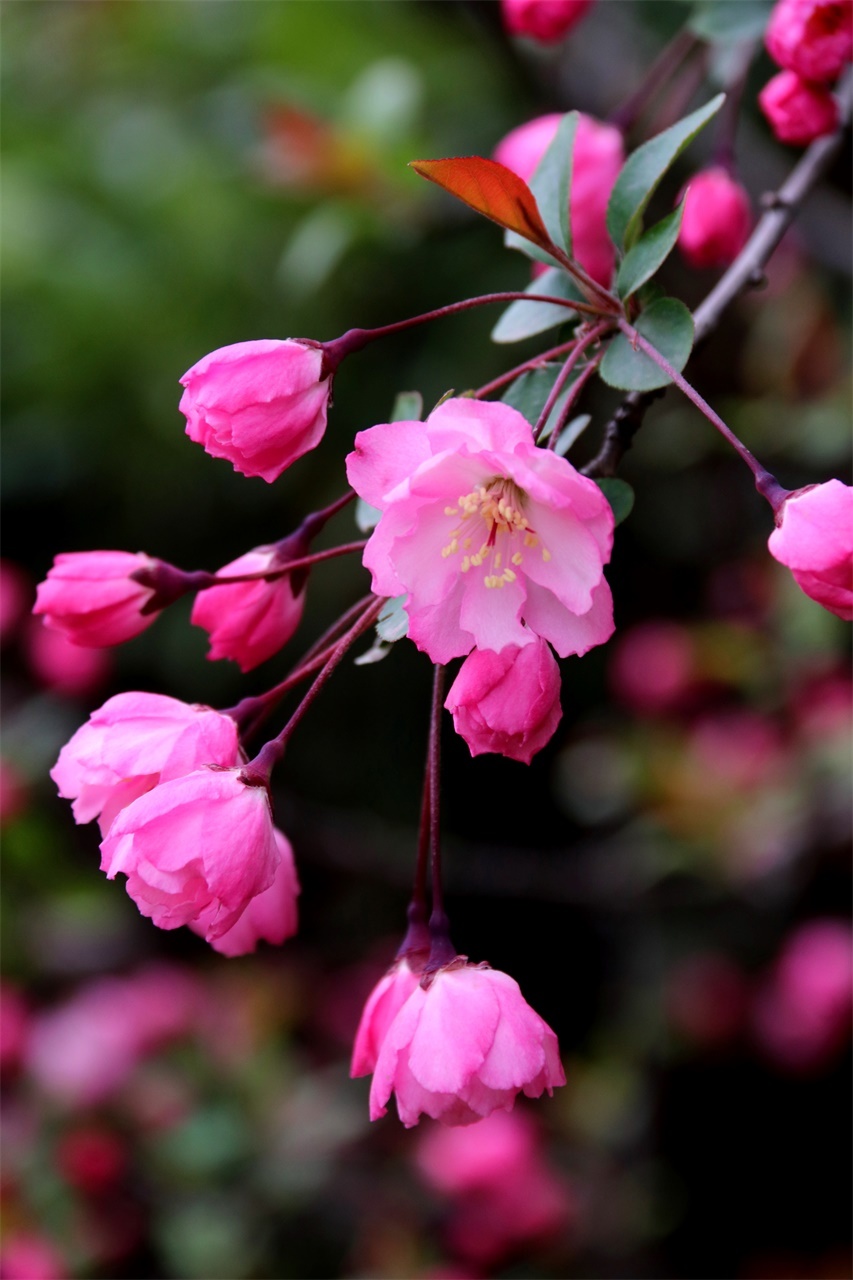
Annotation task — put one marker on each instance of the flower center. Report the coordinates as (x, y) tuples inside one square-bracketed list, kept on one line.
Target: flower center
[(493, 531)]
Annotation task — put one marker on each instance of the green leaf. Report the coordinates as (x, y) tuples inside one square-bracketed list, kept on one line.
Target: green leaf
[(619, 494), (645, 167), (668, 326), (529, 392), (551, 183), (408, 407), (651, 250), (570, 433), (525, 319), (527, 247), (393, 621), (721, 21)]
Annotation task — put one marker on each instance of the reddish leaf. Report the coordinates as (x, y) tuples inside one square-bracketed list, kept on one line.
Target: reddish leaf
[(491, 189)]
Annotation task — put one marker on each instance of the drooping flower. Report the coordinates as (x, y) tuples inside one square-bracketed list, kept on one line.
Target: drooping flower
[(798, 110), (716, 221), (507, 702), (383, 1004), (250, 621), (544, 20), (271, 916), (93, 597), (814, 538), (133, 742), (202, 845), (259, 404), (492, 540), (462, 1046), (812, 37), (599, 154)]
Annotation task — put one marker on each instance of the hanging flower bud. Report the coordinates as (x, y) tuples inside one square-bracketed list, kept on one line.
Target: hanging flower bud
[(250, 621), (507, 702), (814, 538), (798, 111), (464, 1044), (259, 404), (95, 597), (814, 38), (544, 20), (716, 221)]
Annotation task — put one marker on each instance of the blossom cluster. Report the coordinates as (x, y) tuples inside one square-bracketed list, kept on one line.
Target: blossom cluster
[(812, 41)]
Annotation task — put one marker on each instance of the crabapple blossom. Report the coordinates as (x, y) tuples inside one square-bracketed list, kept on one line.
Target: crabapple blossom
[(797, 110), (507, 702), (544, 20), (812, 37), (59, 664), (200, 846), (271, 916), (259, 404), (93, 597), (814, 538), (132, 743), (250, 621), (491, 539), (598, 156), (383, 1004), (462, 1046), (716, 220)]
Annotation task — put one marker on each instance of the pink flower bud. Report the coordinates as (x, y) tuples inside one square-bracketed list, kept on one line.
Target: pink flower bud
[(269, 917), (798, 111), (463, 1046), (716, 221), (259, 404), (598, 156), (250, 621), (814, 38), (199, 845), (93, 598), (507, 702), (814, 538), (544, 20), (383, 1004), (133, 742)]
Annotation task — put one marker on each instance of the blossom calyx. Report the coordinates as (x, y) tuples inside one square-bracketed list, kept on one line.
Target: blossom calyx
[(814, 538), (508, 702)]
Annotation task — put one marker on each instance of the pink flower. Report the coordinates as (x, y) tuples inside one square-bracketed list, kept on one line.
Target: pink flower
[(653, 667), (259, 404), (271, 916), (716, 221), (93, 598), (507, 702), (814, 38), (133, 742), (798, 111), (383, 1004), (814, 538), (462, 1047), (598, 156), (27, 1256), (198, 846), (250, 621), (62, 665), (544, 20), (490, 538)]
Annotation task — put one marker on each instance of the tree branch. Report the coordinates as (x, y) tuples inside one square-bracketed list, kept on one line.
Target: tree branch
[(745, 272)]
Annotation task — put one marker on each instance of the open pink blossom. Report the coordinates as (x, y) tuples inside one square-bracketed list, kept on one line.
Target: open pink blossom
[(270, 917), (131, 743), (507, 702), (462, 1047), (599, 154), (797, 110), (814, 538), (716, 220), (544, 20), (259, 404), (202, 845), (93, 598), (383, 1004), (492, 540), (812, 37), (250, 621)]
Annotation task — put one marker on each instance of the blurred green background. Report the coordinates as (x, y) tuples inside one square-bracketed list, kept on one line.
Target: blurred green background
[(179, 176)]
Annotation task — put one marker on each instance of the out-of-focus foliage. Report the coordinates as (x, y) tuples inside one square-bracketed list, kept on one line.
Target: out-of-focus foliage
[(668, 882)]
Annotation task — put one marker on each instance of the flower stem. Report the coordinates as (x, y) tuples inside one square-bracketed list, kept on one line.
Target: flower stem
[(535, 362), (442, 950), (581, 345), (572, 398), (669, 61), (271, 574)]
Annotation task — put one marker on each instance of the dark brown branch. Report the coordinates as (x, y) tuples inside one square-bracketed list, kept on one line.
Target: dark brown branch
[(745, 272)]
